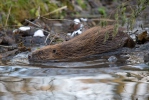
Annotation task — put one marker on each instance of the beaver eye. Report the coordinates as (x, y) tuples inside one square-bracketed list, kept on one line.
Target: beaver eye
[(54, 51)]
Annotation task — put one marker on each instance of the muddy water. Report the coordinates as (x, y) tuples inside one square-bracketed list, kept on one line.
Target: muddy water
[(94, 78)]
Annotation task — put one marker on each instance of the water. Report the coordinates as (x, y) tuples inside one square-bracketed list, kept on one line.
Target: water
[(74, 84), (94, 78)]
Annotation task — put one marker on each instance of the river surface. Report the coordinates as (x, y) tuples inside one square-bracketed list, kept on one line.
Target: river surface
[(95, 78)]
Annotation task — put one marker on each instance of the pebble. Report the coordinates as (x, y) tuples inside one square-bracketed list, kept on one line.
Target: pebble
[(112, 59), (24, 28), (39, 33), (76, 33), (83, 19), (76, 21)]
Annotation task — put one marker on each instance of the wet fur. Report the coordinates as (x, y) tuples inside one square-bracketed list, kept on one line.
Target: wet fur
[(88, 43)]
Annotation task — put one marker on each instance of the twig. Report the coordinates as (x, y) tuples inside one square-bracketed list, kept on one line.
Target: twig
[(8, 16), (56, 19), (59, 9), (86, 16), (46, 39), (9, 47), (32, 23), (39, 27), (103, 19), (52, 39)]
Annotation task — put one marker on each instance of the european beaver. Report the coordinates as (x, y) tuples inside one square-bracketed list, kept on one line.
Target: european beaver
[(88, 43)]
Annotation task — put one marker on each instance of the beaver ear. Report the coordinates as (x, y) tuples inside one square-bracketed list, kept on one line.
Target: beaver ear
[(54, 51)]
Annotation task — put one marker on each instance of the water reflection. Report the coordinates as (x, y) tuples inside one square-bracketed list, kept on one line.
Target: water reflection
[(72, 84)]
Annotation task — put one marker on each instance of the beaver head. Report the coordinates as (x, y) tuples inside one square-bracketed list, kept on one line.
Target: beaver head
[(45, 54)]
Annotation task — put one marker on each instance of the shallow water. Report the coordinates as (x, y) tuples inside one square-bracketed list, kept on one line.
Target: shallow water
[(73, 84), (94, 78)]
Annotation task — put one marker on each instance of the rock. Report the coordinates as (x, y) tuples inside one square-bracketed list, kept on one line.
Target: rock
[(146, 57), (24, 28), (39, 33), (112, 59)]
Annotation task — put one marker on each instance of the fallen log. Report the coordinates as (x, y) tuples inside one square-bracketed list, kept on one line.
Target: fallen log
[(88, 43)]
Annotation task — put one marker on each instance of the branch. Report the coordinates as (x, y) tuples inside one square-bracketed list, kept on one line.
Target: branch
[(59, 9)]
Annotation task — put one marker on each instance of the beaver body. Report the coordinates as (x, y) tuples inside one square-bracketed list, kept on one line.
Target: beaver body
[(88, 43)]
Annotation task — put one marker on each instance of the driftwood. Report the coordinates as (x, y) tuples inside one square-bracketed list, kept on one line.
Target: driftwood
[(88, 43)]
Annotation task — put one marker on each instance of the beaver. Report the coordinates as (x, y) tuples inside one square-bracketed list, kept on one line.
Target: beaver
[(88, 43)]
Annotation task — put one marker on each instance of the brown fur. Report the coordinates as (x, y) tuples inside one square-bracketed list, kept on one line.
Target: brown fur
[(88, 43), (142, 38)]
